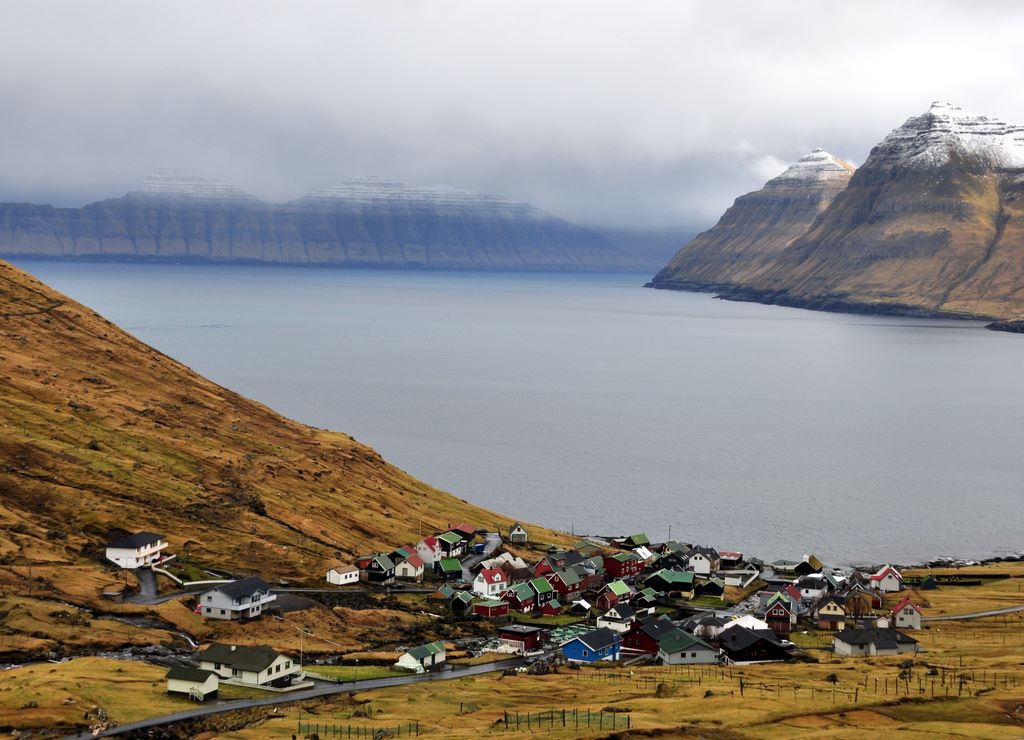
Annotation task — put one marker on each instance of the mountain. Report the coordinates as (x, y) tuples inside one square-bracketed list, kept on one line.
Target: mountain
[(103, 433), (755, 230), (931, 223), (179, 215)]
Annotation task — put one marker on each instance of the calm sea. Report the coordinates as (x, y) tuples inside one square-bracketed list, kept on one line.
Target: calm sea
[(588, 403)]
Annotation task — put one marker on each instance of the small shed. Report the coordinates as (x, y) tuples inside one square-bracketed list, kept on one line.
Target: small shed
[(491, 608), (341, 574), (518, 534), (422, 658), (194, 683)]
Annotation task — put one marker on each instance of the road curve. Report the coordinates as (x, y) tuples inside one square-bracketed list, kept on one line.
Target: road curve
[(322, 689)]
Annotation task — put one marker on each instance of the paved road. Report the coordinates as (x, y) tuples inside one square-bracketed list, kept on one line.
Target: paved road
[(321, 689), (975, 615)]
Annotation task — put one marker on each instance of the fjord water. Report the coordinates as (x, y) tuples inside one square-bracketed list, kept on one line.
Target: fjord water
[(586, 402)]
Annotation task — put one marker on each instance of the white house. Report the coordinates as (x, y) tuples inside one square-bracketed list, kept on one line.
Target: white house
[(907, 614), (518, 534), (618, 619), (681, 648), (258, 666), (342, 575), (194, 683), (410, 569), (136, 550), (429, 550), (886, 580), (243, 599), (422, 658), (873, 641), (490, 582), (703, 561)]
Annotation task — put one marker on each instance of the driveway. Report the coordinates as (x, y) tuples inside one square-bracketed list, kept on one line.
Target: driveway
[(491, 542)]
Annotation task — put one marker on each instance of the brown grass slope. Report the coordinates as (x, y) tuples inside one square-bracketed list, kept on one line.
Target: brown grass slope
[(753, 232), (946, 242), (101, 432)]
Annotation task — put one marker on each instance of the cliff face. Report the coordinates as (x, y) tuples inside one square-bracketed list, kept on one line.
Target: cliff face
[(758, 226), (364, 223), (931, 223)]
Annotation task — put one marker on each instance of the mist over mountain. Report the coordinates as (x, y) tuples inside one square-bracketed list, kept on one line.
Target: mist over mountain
[(180, 215)]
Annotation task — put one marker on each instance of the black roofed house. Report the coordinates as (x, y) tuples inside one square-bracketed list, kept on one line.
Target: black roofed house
[(809, 564), (703, 560), (242, 599), (194, 683), (873, 641), (137, 550), (714, 587), (742, 645), (260, 666), (619, 618), (645, 632), (377, 568), (601, 644), (707, 627)]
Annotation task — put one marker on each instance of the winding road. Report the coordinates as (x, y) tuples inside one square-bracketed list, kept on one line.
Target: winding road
[(975, 615)]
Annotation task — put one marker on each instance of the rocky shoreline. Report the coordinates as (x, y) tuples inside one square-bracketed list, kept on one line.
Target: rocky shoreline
[(831, 304)]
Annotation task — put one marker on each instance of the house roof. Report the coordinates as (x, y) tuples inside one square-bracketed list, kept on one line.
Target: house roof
[(517, 527), (430, 542), (464, 528), (452, 538), (656, 626), (243, 587), (242, 657), (135, 541), (187, 673), (730, 555), (541, 585), (624, 611), (709, 552), (638, 539), (568, 576), (740, 638), (676, 640), (340, 567), (402, 553), (619, 588), (552, 605), (490, 603), (672, 576), (414, 560), (450, 565), (520, 629), (625, 557), (425, 651), (882, 638), (905, 603), (522, 591), (492, 575), (463, 596), (884, 571), (600, 638)]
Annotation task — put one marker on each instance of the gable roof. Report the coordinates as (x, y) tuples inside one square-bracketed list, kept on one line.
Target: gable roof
[(135, 541), (243, 657), (884, 571), (656, 626), (740, 638), (243, 587), (709, 552), (672, 577), (541, 585), (450, 565), (638, 539), (624, 611), (430, 542), (187, 673), (522, 592), (452, 538), (517, 527), (905, 603), (568, 576), (492, 575), (414, 560), (619, 588), (600, 638), (463, 528), (676, 640), (425, 651)]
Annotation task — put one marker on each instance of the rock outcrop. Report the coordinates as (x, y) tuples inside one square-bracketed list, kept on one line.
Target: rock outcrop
[(758, 226), (179, 215)]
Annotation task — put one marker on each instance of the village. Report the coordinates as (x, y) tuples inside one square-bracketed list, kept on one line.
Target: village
[(623, 600)]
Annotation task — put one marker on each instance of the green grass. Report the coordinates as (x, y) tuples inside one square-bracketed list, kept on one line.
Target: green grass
[(559, 621)]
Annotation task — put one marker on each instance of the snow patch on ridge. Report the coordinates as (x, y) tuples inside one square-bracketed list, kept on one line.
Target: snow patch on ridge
[(930, 140), (178, 183), (817, 166)]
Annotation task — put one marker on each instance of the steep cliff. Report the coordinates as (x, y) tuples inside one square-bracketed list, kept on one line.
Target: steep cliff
[(930, 224), (179, 215), (758, 226)]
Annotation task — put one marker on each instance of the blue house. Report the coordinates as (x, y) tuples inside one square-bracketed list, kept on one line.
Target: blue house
[(601, 644)]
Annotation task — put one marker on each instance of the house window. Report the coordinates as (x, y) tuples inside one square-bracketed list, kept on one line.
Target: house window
[(235, 672), (585, 653), (223, 612), (693, 655), (287, 664), (209, 598)]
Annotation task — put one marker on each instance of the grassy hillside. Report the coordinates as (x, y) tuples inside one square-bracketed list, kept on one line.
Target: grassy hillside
[(102, 432)]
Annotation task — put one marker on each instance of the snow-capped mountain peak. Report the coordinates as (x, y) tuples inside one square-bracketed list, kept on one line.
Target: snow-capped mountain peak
[(816, 166), (179, 183)]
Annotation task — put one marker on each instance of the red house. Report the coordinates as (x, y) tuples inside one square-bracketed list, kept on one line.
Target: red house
[(644, 634), (779, 615), (623, 565), (520, 597), (567, 583), (552, 609), (491, 609), (522, 637)]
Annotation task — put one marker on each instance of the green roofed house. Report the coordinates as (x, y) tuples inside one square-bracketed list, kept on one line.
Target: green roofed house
[(646, 596), (679, 647), (544, 590), (461, 602), (448, 568), (635, 540), (451, 544), (423, 658), (671, 581)]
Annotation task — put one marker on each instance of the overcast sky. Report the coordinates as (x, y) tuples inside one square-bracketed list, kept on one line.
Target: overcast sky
[(628, 113)]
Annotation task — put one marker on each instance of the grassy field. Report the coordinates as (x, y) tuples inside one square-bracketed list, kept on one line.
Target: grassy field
[(353, 673)]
